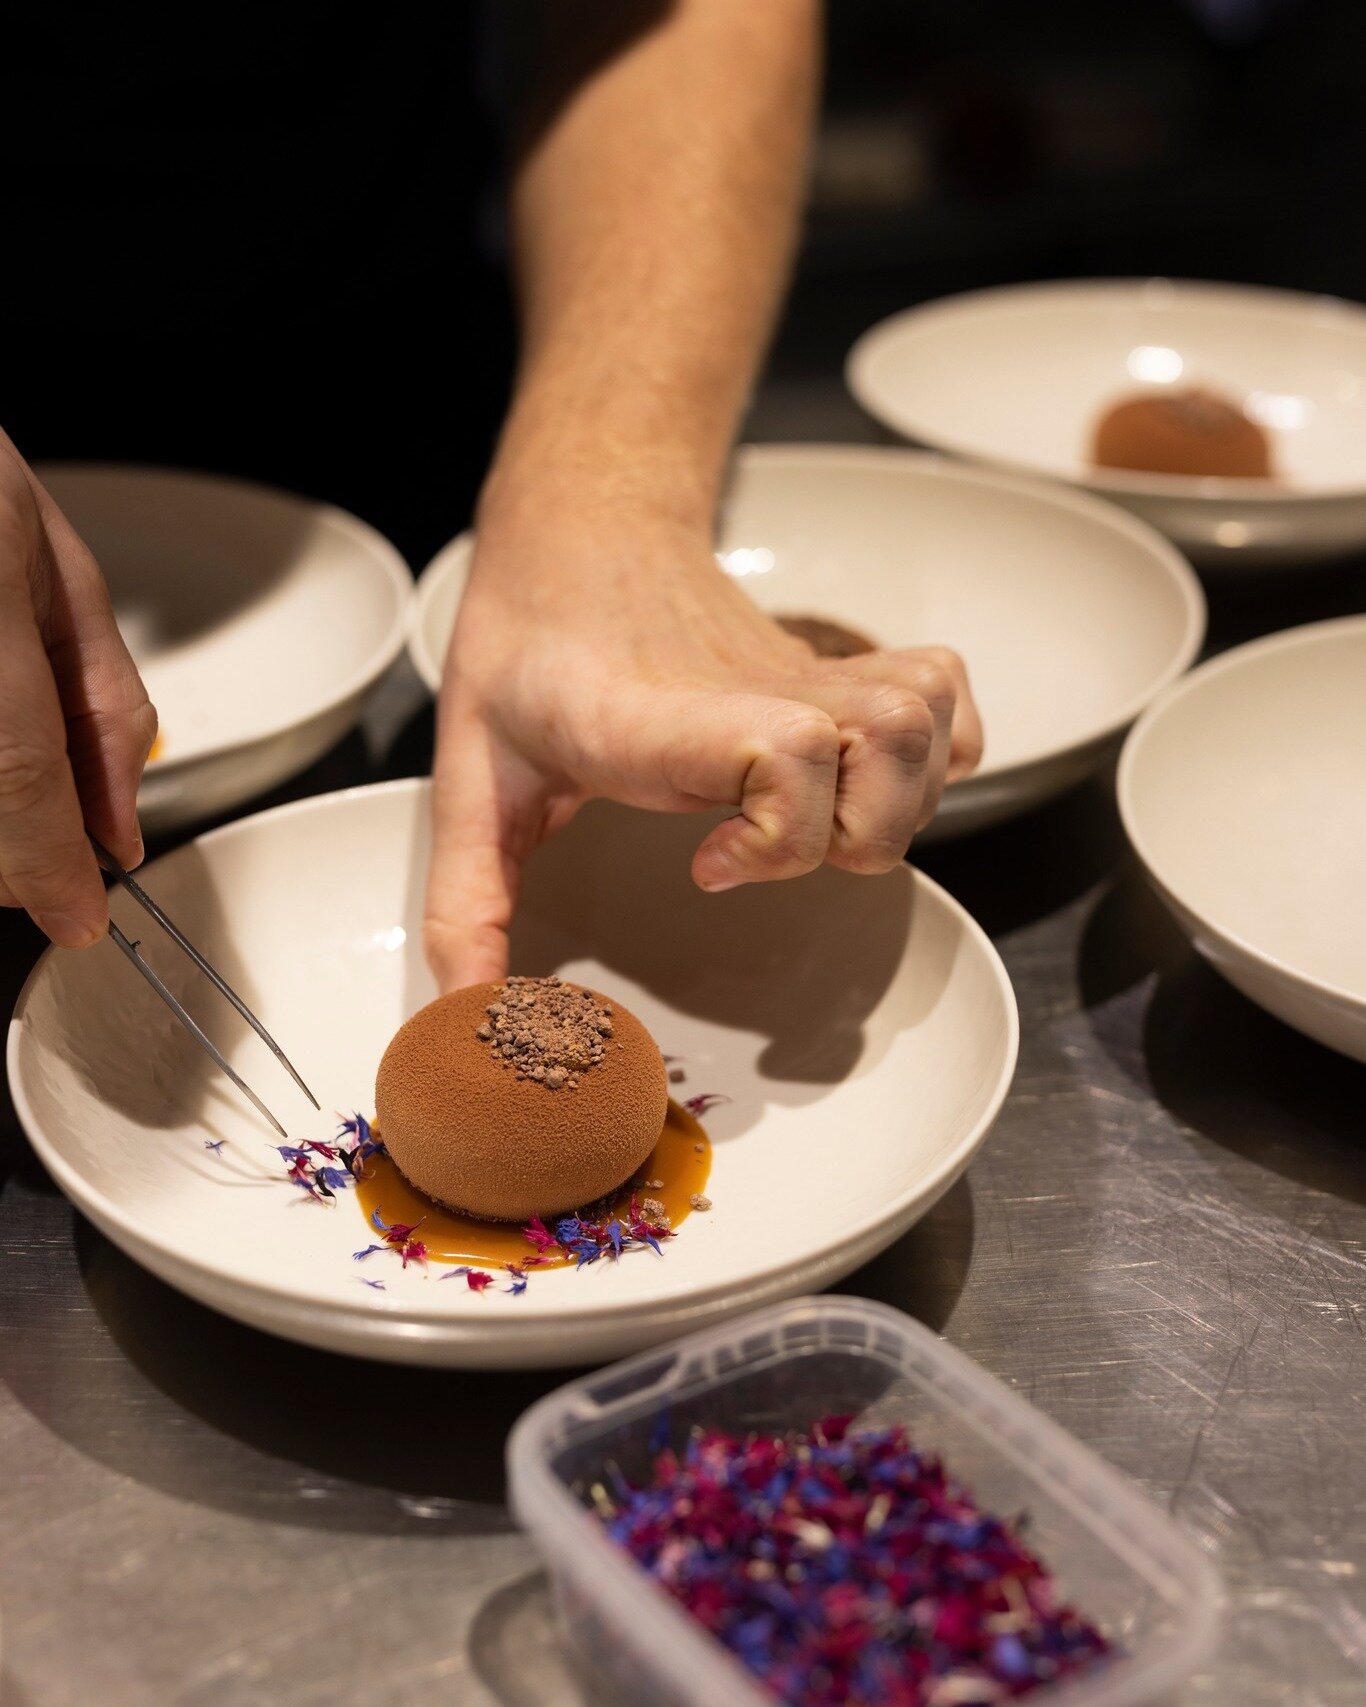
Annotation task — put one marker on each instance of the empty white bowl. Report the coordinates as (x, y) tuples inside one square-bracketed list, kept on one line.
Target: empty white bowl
[(258, 620), (863, 1028), (1017, 378), (1071, 616), (1243, 791)]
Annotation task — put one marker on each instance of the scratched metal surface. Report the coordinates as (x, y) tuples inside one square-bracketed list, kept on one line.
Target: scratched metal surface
[(1163, 1245)]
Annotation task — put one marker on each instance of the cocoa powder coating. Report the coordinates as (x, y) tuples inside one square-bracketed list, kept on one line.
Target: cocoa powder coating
[(525, 1098)]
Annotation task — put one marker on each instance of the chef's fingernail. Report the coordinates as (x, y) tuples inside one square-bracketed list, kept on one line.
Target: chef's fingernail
[(716, 883), (66, 930)]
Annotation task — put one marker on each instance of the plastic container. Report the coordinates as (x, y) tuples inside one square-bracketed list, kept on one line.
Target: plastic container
[(1116, 1557)]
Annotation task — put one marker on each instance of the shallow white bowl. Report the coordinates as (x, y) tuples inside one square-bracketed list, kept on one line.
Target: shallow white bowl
[(1243, 791), (258, 620), (864, 1029), (1071, 615), (1017, 377)]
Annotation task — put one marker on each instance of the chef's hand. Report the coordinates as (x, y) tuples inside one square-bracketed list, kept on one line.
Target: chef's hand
[(606, 655), (75, 722)]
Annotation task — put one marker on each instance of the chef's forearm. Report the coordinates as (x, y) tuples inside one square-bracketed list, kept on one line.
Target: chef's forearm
[(655, 209)]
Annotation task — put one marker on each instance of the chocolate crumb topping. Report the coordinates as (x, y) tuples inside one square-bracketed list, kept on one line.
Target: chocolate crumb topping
[(546, 1030)]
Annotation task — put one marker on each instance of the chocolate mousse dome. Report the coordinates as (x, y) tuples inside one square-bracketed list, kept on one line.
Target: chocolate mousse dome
[(530, 1097)]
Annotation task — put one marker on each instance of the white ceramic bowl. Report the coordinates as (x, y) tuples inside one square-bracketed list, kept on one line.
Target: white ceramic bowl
[(1017, 377), (1243, 791), (863, 1028), (1071, 615), (258, 619)]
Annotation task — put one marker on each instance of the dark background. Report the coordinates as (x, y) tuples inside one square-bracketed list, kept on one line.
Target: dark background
[(274, 248), (969, 143)]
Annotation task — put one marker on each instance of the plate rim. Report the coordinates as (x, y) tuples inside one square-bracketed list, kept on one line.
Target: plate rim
[(1125, 483), (380, 551), (428, 581), (1076, 501), (124, 1230), (1234, 659)]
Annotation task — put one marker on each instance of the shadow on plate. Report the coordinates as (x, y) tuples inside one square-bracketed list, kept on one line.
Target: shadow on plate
[(1016, 873), (95, 1011), (802, 964), (163, 598)]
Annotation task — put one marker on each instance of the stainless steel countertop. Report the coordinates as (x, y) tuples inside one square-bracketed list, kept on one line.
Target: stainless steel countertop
[(1162, 1245)]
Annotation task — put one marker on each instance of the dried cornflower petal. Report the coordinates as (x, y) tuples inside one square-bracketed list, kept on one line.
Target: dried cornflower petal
[(537, 1234), (698, 1105), (318, 1180), (584, 1238), (367, 1143), (843, 1567)]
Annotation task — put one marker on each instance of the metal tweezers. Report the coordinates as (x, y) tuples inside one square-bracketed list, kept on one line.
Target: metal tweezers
[(132, 950)]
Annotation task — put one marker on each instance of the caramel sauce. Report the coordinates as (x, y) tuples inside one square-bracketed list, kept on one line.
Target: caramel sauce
[(682, 1159)]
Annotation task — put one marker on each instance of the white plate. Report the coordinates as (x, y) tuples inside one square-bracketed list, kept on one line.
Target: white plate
[(1244, 793), (864, 1029), (258, 620), (1016, 377), (1071, 615)]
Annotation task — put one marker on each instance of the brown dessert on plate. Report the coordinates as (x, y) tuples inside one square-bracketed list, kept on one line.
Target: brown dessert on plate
[(1190, 432), (525, 1098)]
